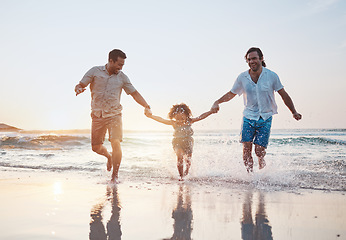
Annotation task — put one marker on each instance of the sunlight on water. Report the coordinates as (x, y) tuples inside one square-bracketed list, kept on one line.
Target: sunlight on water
[(57, 188), (313, 159)]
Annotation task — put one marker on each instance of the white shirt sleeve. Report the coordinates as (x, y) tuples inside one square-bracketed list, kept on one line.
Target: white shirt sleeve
[(238, 87), (277, 85)]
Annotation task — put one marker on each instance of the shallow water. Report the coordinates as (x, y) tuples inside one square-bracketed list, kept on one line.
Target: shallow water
[(296, 159), (54, 187)]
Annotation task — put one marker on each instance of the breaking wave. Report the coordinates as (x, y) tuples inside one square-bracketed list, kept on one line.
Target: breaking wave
[(43, 141), (308, 141)]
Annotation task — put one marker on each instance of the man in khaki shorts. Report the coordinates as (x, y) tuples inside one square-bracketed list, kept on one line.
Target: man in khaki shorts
[(106, 84)]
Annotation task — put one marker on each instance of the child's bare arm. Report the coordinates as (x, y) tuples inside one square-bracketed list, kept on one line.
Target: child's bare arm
[(161, 120), (157, 118), (203, 116)]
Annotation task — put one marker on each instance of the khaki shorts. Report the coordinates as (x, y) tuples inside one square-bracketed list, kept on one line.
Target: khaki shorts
[(100, 126)]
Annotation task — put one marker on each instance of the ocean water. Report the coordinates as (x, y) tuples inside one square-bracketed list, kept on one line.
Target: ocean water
[(296, 159)]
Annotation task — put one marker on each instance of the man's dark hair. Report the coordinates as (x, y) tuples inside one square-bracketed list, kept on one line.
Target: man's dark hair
[(260, 54), (115, 53)]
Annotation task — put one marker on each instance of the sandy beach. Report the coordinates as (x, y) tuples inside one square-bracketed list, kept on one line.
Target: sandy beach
[(61, 206)]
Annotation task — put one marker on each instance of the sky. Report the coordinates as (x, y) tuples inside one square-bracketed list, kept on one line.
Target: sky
[(177, 51)]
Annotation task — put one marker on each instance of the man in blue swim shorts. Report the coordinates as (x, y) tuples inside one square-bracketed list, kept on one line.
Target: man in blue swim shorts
[(257, 85)]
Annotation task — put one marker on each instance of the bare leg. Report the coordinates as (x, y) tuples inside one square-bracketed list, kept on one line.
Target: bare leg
[(102, 150), (188, 164), (180, 162), (247, 156), (116, 158), (260, 153)]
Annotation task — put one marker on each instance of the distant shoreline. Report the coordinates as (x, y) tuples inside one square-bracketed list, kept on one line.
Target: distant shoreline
[(8, 128)]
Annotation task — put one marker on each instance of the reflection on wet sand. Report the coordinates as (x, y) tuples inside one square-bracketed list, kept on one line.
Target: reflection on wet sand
[(182, 215), (97, 229), (261, 230)]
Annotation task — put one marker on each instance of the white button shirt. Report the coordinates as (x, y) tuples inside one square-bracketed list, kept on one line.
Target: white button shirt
[(259, 99)]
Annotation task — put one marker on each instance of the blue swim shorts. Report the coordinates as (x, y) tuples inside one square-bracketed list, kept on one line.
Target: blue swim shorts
[(257, 132)]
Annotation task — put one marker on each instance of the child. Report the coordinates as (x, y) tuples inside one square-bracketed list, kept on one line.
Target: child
[(180, 119)]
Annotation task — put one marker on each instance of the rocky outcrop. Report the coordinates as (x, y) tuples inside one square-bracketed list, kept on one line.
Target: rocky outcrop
[(8, 128)]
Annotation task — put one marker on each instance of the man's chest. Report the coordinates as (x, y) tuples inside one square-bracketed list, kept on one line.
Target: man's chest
[(263, 85), (105, 83)]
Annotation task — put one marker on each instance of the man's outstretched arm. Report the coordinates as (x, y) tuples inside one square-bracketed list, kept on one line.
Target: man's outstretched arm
[(139, 99), (225, 98), (289, 103)]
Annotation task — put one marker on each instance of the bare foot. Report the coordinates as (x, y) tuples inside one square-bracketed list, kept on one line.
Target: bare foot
[(262, 164), (115, 177), (249, 167), (115, 181)]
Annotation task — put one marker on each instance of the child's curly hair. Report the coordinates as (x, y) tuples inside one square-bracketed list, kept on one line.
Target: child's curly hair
[(180, 108)]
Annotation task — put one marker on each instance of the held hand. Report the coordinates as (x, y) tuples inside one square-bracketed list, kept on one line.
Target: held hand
[(148, 112), (215, 108), (297, 116)]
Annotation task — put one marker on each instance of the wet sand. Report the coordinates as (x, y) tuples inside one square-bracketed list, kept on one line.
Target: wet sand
[(58, 206)]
